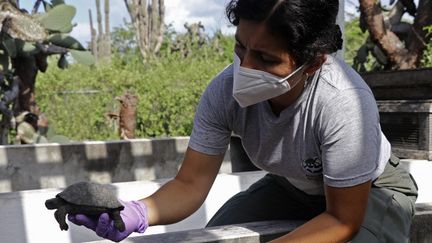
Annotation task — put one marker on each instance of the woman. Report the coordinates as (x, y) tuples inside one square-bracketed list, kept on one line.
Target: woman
[(305, 117)]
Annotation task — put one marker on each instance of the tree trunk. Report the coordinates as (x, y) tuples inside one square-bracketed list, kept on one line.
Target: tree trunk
[(9, 97), (22, 92), (418, 39), (127, 115), (26, 69), (400, 55)]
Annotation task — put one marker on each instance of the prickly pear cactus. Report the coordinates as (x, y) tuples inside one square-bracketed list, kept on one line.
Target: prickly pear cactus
[(26, 40), (20, 25), (58, 18)]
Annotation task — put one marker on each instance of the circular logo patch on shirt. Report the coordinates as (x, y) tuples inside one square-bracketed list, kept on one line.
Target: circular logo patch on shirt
[(313, 168)]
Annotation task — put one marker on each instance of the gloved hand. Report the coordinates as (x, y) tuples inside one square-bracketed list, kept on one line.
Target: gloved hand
[(134, 216)]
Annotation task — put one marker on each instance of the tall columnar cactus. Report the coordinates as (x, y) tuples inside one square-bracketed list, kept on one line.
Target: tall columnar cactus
[(107, 35), (94, 47), (101, 39), (26, 40), (148, 20)]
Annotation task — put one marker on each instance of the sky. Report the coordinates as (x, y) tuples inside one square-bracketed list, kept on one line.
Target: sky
[(178, 12)]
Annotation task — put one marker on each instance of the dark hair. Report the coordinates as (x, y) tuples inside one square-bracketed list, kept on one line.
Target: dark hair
[(308, 26)]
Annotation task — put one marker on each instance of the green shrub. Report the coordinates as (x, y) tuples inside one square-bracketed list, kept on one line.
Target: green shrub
[(427, 55), (168, 88), (354, 39)]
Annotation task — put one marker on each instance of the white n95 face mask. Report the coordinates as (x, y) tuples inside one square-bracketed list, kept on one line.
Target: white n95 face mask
[(253, 86)]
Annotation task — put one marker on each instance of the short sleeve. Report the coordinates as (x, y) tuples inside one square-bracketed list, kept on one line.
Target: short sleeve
[(211, 131), (350, 137)]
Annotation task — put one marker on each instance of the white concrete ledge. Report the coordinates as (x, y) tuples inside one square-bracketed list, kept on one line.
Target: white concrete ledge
[(421, 170), (241, 233), (26, 220), (256, 232)]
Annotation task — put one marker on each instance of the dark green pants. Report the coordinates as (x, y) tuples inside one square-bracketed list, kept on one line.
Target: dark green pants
[(388, 216)]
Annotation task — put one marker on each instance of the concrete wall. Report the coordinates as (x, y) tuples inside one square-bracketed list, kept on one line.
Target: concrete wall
[(52, 165), (24, 218)]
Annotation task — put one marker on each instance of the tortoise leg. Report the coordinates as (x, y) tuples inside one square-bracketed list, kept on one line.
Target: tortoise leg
[(60, 215), (118, 221)]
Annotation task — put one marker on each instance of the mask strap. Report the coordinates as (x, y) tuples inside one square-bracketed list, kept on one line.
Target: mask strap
[(306, 81), (300, 69)]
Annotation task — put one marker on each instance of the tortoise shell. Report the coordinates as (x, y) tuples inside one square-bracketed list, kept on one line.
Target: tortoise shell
[(90, 194)]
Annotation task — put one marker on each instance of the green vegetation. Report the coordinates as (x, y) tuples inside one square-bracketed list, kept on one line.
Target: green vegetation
[(427, 55), (168, 87), (26, 41), (354, 39)]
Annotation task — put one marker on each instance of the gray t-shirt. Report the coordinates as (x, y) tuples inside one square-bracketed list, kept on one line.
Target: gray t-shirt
[(330, 135)]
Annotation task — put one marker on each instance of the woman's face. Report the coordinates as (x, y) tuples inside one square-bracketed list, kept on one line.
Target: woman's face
[(260, 50)]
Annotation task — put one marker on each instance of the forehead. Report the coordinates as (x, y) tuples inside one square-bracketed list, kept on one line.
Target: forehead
[(256, 35)]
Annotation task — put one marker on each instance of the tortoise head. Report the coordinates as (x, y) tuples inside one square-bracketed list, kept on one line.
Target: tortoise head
[(53, 203)]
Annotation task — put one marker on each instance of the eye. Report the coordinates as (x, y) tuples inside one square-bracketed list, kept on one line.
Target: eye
[(239, 45), (267, 59)]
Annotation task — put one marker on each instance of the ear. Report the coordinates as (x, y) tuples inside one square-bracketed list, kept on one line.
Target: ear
[(315, 64)]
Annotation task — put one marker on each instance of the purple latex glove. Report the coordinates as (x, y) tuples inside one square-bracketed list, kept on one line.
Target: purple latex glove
[(134, 216)]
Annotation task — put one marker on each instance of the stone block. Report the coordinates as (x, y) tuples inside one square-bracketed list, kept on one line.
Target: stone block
[(408, 126)]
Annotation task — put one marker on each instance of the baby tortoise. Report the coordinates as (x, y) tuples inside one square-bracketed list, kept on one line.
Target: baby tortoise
[(87, 198)]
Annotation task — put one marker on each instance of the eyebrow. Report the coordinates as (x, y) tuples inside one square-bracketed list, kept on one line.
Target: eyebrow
[(263, 51)]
